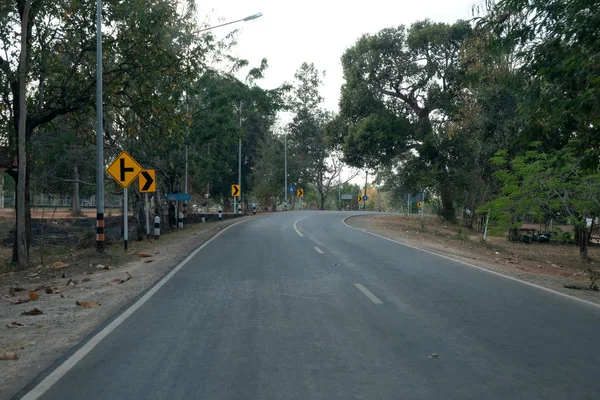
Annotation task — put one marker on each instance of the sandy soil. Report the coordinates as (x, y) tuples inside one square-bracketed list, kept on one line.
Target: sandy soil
[(112, 281), (546, 264)]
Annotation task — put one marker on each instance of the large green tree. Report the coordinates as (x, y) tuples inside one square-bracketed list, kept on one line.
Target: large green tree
[(397, 99)]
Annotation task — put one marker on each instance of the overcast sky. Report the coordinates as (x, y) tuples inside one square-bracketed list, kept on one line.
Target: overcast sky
[(318, 31)]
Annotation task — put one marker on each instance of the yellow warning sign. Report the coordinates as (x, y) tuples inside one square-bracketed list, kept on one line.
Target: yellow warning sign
[(124, 169)]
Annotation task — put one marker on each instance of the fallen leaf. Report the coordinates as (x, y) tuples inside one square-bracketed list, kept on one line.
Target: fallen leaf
[(127, 278), (144, 255), (13, 290), (88, 304), (35, 311), (39, 326), (15, 325), (60, 265), (33, 296), (100, 266), (49, 290), (9, 355), (148, 261)]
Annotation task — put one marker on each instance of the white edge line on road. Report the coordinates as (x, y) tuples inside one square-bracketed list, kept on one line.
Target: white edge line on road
[(319, 250), (300, 219), (564, 295), (368, 293), (70, 362)]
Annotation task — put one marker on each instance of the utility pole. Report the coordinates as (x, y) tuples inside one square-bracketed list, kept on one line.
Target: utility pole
[(99, 134), (285, 189), (240, 158), (340, 189), (366, 183), (239, 165)]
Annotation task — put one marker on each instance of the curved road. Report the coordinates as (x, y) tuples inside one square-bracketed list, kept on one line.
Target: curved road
[(299, 306)]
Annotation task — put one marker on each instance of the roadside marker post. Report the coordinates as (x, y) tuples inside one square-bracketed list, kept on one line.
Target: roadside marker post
[(180, 222), (156, 227), (202, 217), (239, 209), (254, 209), (220, 212)]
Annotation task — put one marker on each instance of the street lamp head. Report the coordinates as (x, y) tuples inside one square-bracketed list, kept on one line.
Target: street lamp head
[(254, 16)]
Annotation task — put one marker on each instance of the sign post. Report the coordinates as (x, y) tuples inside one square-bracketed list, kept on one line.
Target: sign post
[(125, 219), (147, 184), (124, 169)]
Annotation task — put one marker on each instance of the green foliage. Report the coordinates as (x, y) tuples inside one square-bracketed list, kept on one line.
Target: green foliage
[(539, 185)]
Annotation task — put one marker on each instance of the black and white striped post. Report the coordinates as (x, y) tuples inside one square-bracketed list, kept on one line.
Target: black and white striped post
[(220, 213), (202, 217), (254, 209), (240, 210), (180, 220), (156, 227)]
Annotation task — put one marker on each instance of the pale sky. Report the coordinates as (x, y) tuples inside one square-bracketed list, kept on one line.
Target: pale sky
[(317, 31)]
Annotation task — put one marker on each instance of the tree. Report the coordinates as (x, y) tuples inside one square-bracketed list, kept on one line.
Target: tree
[(538, 185), (142, 42), (398, 95)]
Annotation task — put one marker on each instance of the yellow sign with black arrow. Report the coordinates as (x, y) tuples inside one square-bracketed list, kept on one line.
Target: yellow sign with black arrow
[(147, 181), (235, 190), (300, 192), (419, 204), (360, 198), (124, 169)]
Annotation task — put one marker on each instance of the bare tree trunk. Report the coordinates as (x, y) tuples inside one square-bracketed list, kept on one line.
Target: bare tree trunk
[(75, 203), (21, 242), (447, 205), (1, 188)]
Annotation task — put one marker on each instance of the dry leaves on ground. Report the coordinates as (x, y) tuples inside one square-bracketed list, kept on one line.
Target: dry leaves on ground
[(143, 255), (87, 304), (118, 281), (60, 265), (33, 296), (9, 355), (35, 311)]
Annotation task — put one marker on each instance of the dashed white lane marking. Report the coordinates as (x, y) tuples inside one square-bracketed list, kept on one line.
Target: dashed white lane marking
[(545, 289), (368, 293), (319, 250)]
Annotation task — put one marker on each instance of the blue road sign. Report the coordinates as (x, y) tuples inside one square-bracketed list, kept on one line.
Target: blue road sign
[(178, 197), (365, 197), (291, 189)]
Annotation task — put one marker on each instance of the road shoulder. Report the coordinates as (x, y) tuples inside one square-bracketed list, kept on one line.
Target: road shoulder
[(469, 252), (77, 302)]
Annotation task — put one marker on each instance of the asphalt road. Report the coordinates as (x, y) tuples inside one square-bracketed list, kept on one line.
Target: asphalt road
[(264, 313)]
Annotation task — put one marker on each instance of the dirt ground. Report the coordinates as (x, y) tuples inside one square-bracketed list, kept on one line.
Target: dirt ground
[(550, 265), (60, 288)]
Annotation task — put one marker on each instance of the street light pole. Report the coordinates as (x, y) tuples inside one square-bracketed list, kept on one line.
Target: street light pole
[(99, 135), (250, 18), (285, 189), (239, 164)]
